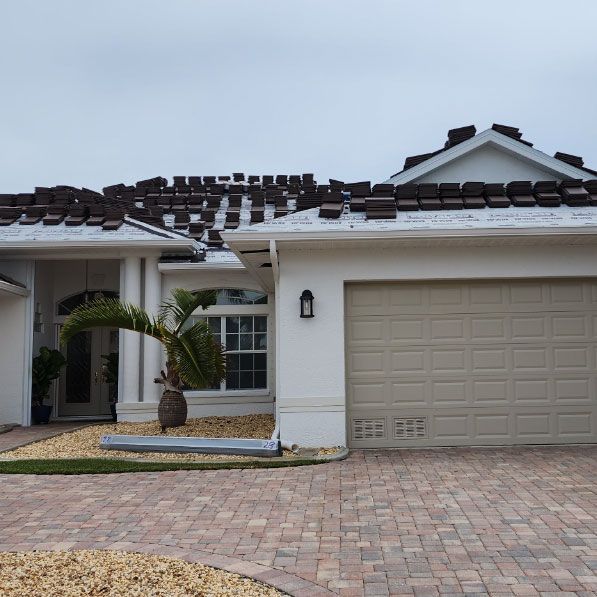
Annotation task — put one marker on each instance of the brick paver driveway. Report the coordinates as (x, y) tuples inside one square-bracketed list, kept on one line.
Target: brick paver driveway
[(516, 521)]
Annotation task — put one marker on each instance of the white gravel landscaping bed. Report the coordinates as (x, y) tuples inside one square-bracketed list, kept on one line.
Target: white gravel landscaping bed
[(84, 443), (117, 574)]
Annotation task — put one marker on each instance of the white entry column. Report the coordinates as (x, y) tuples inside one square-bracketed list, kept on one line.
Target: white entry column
[(131, 341), (152, 349)]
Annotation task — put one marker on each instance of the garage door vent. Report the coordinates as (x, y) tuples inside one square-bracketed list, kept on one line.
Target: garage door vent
[(410, 428), (368, 429)]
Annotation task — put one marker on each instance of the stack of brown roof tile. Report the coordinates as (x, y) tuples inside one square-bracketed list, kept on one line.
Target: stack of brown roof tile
[(573, 160), (449, 194), (510, 131), (380, 208), (591, 187), (33, 214), (573, 193), (415, 160), (546, 193), (332, 206), (495, 195), (521, 193), (196, 230), (457, 136), (214, 239), (9, 215), (428, 195), (406, 197), (472, 195), (77, 214), (55, 215)]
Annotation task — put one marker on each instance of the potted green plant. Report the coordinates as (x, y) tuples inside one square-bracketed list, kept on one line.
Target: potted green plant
[(46, 368), (110, 376), (193, 356)]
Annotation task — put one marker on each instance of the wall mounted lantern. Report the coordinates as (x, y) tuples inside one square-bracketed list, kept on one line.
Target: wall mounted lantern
[(307, 304)]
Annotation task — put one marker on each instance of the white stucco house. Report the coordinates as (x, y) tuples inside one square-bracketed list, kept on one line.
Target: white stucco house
[(454, 303)]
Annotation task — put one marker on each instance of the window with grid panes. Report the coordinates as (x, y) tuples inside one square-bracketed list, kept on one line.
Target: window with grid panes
[(244, 338)]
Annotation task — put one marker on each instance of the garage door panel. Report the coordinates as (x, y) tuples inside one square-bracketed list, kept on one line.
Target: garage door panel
[(454, 360), (486, 392), (488, 329), (571, 327), (530, 358), (368, 363), (490, 360), (575, 425), (407, 296), (409, 331), (368, 394), (531, 391), (579, 389), (409, 361), (367, 331), (406, 394), (488, 296), (533, 425), (569, 294), (529, 328), (472, 363), (525, 294), (572, 357), (450, 392), (490, 427), (449, 329)]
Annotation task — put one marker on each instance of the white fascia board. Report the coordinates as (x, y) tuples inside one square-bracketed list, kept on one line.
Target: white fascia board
[(492, 137), (92, 250), (202, 265), (366, 235), (40, 244), (14, 289)]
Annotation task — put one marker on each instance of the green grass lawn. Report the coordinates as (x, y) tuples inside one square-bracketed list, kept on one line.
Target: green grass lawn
[(85, 466)]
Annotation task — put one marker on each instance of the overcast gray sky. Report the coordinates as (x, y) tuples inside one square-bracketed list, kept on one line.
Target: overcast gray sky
[(96, 93)]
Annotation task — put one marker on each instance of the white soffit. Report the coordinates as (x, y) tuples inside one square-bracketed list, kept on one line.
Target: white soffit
[(495, 139)]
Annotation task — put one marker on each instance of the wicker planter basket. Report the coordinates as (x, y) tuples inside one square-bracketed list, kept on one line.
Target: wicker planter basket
[(172, 410)]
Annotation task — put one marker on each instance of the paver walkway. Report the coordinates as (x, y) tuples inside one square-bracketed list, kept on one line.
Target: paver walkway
[(19, 436), (520, 521)]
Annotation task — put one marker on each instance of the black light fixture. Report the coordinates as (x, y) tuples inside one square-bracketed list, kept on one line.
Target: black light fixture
[(307, 304)]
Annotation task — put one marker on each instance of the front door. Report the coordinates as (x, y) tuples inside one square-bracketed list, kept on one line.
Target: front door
[(85, 388)]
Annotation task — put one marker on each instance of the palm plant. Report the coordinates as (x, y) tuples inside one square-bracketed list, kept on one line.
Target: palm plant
[(193, 357)]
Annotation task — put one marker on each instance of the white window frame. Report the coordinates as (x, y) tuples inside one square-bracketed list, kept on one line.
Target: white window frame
[(224, 311)]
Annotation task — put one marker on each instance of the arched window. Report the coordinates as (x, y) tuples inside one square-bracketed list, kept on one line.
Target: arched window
[(70, 303)]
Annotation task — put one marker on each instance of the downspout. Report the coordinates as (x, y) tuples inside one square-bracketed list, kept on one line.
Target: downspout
[(273, 254), (285, 445)]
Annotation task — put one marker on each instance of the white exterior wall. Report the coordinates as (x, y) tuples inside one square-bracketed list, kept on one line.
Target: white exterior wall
[(311, 353), (487, 164), (13, 361), (16, 314)]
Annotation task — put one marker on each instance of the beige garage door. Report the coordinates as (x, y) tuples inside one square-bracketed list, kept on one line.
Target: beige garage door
[(484, 363)]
